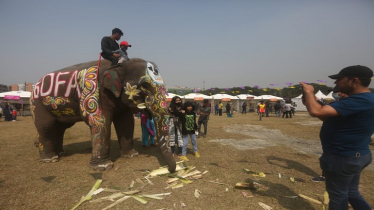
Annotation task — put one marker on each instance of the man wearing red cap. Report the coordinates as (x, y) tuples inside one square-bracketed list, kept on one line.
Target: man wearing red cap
[(109, 45), (345, 135), (123, 51)]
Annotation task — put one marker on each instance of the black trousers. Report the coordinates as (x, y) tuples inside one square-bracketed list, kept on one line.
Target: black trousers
[(113, 59), (205, 123), (287, 113)]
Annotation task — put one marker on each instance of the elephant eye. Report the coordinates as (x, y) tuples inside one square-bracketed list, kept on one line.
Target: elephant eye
[(154, 70)]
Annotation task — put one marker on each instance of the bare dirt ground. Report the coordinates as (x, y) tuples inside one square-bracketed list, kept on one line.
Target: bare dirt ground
[(274, 145)]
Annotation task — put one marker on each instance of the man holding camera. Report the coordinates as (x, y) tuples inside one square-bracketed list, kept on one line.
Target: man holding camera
[(345, 135)]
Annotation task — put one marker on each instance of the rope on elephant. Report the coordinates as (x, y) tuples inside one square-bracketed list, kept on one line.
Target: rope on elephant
[(98, 66)]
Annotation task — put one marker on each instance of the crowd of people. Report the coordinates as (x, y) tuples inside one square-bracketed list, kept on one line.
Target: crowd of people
[(348, 125), (10, 113)]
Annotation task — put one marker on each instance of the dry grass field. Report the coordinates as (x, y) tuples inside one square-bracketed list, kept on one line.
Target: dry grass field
[(274, 145)]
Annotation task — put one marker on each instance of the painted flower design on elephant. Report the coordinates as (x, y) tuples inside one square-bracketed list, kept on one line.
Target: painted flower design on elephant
[(55, 101), (164, 104), (131, 91), (162, 89), (89, 103)]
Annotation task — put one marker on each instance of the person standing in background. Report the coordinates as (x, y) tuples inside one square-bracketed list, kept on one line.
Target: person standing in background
[(204, 113), (244, 108), (220, 108), (148, 131), (175, 126), (228, 108)]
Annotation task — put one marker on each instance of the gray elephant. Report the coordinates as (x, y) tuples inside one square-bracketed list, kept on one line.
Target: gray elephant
[(99, 97)]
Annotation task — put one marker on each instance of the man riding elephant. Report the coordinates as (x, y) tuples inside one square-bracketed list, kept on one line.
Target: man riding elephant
[(109, 45)]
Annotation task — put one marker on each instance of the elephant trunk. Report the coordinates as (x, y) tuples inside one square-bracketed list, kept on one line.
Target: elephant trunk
[(163, 144), (159, 112)]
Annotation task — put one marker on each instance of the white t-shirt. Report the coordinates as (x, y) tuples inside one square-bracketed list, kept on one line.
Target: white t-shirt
[(288, 107)]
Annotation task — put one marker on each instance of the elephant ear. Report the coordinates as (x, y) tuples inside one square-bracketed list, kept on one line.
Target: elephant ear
[(112, 82)]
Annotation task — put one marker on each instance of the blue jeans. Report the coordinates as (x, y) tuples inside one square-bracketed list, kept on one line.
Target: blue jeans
[(342, 179), (146, 135), (185, 143)]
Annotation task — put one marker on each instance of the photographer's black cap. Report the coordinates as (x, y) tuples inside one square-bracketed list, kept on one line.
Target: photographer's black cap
[(354, 71)]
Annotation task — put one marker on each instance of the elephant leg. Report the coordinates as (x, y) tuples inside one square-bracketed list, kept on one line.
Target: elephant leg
[(47, 133), (124, 125), (100, 133), (59, 136)]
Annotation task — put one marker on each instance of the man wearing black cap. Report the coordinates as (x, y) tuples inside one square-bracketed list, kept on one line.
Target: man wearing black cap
[(345, 135), (109, 44)]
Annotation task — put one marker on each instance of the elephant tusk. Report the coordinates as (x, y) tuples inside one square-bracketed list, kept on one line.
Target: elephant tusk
[(141, 106)]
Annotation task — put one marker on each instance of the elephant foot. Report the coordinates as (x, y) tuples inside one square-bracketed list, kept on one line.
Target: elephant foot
[(49, 160), (132, 153), (101, 166)]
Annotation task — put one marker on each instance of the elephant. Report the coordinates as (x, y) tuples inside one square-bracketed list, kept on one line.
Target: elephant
[(99, 94)]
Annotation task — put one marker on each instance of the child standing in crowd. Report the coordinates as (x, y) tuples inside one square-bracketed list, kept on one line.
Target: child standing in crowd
[(148, 131), (189, 127), (14, 114)]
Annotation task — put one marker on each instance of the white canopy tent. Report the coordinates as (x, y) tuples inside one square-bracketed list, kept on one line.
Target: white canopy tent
[(18, 99), (225, 98), (299, 104), (197, 97), (267, 97), (301, 107), (22, 94), (246, 98), (329, 96), (320, 95)]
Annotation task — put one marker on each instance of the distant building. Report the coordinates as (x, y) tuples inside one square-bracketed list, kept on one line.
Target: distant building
[(15, 87), (30, 87), (4, 88), (23, 87)]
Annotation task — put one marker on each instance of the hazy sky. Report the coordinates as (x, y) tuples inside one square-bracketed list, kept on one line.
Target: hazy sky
[(224, 43)]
